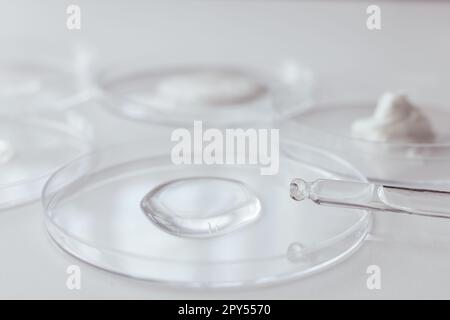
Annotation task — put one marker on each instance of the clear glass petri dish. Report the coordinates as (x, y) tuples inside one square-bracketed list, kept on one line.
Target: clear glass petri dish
[(115, 209), (33, 147), (28, 84), (328, 125), (218, 94)]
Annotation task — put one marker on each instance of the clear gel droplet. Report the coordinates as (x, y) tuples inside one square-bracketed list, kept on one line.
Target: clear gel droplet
[(295, 252), (201, 206)]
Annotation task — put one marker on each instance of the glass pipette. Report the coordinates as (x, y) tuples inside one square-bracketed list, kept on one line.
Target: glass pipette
[(361, 195)]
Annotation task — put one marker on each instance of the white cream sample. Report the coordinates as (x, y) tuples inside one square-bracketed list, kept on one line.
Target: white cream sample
[(209, 87), (395, 119)]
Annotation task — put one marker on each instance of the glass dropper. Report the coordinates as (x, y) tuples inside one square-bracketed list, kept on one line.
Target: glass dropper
[(378, 197)]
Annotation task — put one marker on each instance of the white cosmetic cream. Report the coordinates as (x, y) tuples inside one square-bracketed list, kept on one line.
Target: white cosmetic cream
[(210, 87), (395, 119)]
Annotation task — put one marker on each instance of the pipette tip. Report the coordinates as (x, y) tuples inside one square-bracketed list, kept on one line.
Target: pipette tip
[(299, 189)]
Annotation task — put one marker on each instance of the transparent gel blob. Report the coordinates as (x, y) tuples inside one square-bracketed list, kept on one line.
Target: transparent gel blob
[(201, 206)]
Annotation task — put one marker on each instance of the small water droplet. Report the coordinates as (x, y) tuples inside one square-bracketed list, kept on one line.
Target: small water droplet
[(201, 206), (296, 252)]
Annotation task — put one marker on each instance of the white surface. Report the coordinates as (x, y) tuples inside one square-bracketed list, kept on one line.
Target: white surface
[(413, 253)]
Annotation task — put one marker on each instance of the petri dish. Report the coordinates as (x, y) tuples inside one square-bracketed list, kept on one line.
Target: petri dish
[(327, 125), (218, 94), (32, 148), (120, 215), (27, 84)]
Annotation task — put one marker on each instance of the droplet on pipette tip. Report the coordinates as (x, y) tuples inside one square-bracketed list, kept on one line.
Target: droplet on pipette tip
[(201, 207), (299, 189)]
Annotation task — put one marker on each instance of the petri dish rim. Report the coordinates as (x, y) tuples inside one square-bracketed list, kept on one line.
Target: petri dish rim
[(84, 141), (366, 222), (59, 68)]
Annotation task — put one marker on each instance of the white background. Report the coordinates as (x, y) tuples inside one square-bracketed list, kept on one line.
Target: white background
[(331, 37)]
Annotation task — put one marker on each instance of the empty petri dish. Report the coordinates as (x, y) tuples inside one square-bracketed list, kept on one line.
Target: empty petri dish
[(136, 213), (220, 95), (32, 149)]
